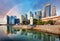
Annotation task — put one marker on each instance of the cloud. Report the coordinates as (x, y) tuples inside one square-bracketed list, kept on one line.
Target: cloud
[(6, 5)]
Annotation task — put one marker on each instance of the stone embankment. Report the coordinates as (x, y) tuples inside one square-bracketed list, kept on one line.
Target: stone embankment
[(53, 29)]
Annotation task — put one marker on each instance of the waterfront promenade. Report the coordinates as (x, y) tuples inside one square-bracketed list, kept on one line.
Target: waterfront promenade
[(53, 29)]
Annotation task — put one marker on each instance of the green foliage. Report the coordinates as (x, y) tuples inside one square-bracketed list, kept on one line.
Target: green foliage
[(34, 21), (51, 22), (44, 22), (26, 22), (39, 22)]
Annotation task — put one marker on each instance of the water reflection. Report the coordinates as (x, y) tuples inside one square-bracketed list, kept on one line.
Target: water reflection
[(30, 35)]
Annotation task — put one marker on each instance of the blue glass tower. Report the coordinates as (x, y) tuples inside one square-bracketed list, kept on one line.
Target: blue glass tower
[(17, 21), (13, 19)]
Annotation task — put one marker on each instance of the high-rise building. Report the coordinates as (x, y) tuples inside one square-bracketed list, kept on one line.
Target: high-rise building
[(7, 19), (48, 10), (35, 15), (13, 19), (21, 19), (44, 13), (17, 21), (54, 11), (25, 17), (39, 14), (31, 14)]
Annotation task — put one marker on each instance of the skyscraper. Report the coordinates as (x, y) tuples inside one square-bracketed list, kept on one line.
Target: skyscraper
[(44, 13), (48, 10), (35, 15), (7, 19), (39, 14), (31, 14), (21, 19), (25, 16), (54, 11), (13, 19), (17, 21)]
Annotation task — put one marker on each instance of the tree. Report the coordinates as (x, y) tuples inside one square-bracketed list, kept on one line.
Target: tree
[(34, 21), (39, 22), (44, 22), (28, 21), (51, 22)]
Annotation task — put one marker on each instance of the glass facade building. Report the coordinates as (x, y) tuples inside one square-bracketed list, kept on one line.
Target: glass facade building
[(39, 14), (17, 21), (31, 14), (48, 10), (54, 11)]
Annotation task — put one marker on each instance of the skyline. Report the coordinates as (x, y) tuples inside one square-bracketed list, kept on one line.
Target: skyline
[(17, 7), (24, 6)]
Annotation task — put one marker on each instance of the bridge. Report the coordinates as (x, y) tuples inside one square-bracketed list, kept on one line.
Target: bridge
[(52, 29)]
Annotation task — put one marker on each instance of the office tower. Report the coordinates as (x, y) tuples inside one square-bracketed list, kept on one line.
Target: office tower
[(7, 19), (44, 13), (21, 19), (25, 17), (48, 10), (17, 21), (39, 14), (31, 14), (54, 11), (35, 15), (13, 19)]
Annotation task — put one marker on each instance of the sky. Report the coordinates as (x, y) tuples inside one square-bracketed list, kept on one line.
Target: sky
[(24, 6)]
